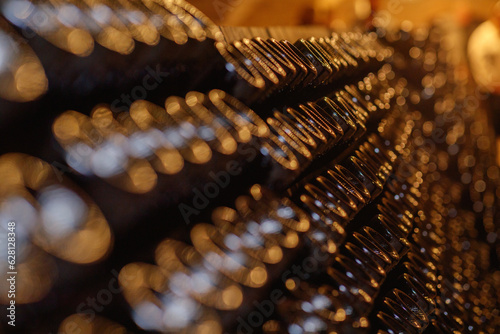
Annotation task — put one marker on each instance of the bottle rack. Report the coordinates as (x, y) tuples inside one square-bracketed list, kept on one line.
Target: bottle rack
[(274, 180)]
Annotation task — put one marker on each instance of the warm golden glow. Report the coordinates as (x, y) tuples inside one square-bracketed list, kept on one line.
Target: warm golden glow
[(81, 323), (87, 242), (22, 77)]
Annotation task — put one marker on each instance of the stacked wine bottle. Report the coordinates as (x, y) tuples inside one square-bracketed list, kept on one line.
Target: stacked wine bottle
[(177, 177)]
